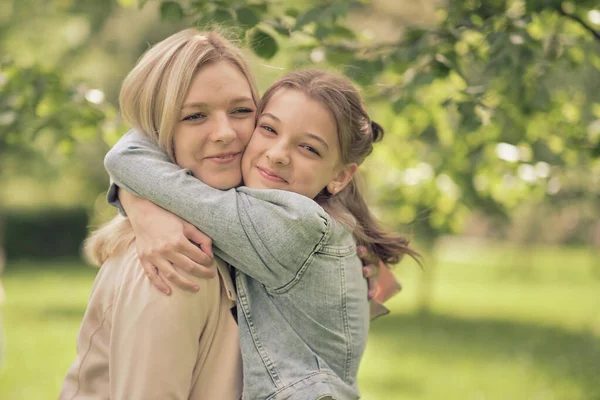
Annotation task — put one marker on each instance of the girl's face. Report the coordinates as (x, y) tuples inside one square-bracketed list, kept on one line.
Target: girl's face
[(295, 147), (215, 124)]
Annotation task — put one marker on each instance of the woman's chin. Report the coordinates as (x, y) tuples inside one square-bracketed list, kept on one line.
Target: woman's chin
[(223, 182)]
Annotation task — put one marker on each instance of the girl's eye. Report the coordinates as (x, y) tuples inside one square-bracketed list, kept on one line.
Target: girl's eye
[(268, 129), (243, 110), (311, 149), (194, 117)]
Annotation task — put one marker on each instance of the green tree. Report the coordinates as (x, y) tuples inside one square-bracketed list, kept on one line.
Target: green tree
[(489, 105), (494, 105)]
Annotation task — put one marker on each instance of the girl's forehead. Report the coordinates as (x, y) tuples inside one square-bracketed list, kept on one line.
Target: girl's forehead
[(293, 103)]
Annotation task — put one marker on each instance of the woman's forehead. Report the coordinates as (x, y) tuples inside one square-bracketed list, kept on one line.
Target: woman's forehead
[(217, 82)]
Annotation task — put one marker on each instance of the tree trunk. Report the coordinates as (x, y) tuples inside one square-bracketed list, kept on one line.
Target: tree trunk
[(427, 280)]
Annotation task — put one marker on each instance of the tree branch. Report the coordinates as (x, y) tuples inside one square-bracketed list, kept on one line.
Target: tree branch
[(581, 22)]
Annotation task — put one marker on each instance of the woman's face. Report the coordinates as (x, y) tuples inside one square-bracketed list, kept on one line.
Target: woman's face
[(215, 124), (295, 146)]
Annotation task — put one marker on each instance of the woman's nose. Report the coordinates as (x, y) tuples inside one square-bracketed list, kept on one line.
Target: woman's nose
[(223, 131)]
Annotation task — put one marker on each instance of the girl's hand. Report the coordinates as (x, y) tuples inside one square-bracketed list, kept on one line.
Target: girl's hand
[(370, 269), (166, 243), (382, 283)]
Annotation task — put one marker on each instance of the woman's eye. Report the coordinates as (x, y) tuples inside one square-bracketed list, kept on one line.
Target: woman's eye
[(311, 149), (243, 110), (194, 117)]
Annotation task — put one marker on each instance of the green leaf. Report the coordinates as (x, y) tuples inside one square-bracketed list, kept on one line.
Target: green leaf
[(341, 32), (280, 27), (263, 44), (260, 8), (312, 15), (399, 104), (364, 72), (322, 31), (337, 55), (171, 11), (292, 12), (223, 16), (246, 17)]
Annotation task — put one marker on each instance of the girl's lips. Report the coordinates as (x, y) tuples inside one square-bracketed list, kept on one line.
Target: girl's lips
[(269, 176), (225, 159)]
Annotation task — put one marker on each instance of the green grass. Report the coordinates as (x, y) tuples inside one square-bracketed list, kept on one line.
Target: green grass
[(503, 325)]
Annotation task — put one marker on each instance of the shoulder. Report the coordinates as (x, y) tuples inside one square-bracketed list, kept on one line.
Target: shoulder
[(296, 206)]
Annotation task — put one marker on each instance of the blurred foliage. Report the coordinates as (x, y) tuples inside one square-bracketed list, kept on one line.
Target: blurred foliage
[(38, 111), (493, 104), (487, 104), (44, 233)]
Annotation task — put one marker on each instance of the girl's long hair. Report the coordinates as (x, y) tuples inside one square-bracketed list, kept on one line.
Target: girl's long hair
[(356, 133)]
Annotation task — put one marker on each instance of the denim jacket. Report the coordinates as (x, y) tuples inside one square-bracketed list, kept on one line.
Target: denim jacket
[(302, 300)]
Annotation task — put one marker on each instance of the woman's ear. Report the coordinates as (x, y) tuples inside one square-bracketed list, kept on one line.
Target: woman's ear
[(342, 179)]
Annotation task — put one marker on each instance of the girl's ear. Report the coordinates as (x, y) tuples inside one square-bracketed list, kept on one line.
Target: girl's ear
[(342, 179)]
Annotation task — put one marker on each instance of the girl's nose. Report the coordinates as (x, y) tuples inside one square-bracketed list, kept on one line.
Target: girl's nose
[(278, 154)]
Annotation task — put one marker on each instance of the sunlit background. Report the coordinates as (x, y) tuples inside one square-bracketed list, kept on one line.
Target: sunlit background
[(491, 163)]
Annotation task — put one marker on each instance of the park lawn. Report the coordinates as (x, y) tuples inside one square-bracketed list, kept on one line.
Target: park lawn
[(497, 329)]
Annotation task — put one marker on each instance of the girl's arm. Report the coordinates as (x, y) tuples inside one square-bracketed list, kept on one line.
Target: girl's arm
[(267, 234), (166, 243)]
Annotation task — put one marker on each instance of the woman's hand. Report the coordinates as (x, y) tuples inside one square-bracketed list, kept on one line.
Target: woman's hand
[(166, 242)]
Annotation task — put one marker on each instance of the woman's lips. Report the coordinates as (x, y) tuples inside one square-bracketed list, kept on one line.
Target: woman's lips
[(270, 176), (224, 158)]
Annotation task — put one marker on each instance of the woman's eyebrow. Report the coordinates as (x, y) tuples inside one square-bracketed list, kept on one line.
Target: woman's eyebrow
[(194, 105), (235, 100), (241, 99)]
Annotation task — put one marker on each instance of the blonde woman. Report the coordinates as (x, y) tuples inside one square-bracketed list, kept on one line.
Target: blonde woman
[(134, 342), (290, 232)]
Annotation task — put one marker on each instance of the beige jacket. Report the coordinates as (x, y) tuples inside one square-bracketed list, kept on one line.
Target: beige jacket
[(136, 343)]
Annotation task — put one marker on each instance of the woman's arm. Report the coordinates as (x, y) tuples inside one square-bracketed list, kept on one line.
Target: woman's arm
[(267, 234)]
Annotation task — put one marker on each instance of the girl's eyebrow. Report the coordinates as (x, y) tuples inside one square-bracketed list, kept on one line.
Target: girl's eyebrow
[(270, 116), (311, 135), (318, 138)]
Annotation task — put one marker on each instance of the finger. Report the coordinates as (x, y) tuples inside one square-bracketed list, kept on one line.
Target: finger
[(169, 273), (361, 251), (372, 288), (163, 283), (156, 281), (366, 256), (203, 241), (195, 253), (181, 261), (370, 271)]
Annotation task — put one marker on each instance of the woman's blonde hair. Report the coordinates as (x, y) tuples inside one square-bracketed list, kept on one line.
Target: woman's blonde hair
[(356, 133), (151, 98)]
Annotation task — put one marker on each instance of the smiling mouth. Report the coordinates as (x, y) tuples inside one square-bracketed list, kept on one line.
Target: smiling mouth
[(270, 176), (224, 158)]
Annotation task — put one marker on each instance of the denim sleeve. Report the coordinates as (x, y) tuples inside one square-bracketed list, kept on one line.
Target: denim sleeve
[(112, 196), (267, 234)]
